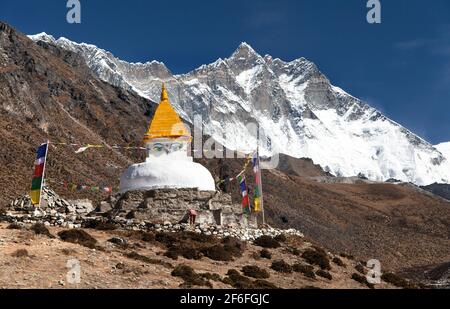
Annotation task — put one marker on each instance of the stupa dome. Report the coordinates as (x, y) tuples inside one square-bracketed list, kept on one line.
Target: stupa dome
[(168, 165)]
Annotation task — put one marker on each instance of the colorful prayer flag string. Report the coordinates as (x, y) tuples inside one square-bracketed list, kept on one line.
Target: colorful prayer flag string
[(80, 187), (244, 169), (81, 148)]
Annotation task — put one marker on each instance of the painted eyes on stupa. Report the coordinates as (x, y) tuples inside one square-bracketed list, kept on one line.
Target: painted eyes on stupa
[(158, 147), (176, 147), (167, 147)]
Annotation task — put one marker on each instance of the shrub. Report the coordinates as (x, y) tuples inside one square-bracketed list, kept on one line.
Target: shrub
[(397, 281), (140, 235), (255, 272), (267, 242), (338, 262), (15, 226), (360, 268), (362, 280), (213, 277), (40, 229), (264, 285), (236, 280), (281, 238), (232, 272), (306, 270), (106, 226), (317, 257), (196, 237), (324, 274), (188, 253), (78, 237), (190, 277), (293, 251), (166, 239), (265, 254), (136, 256), (217, 253), (147, 237), (118, 241), (234, 246), (130, 215), (281, 266), (67, 251), (99, 225), (21, 253)]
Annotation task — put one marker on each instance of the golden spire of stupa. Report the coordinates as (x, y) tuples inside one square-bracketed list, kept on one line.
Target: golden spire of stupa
[(166, 123)]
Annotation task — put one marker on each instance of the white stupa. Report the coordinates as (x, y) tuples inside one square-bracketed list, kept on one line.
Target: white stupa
[(168, 165)]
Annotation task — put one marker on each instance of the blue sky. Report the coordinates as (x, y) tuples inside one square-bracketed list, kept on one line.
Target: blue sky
[(401, 66)]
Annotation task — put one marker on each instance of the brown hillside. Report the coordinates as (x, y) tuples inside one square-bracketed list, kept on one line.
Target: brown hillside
[(48, 93), (400, 226)]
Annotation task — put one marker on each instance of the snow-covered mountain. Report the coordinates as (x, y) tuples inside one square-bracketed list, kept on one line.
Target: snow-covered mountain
[(444, 148), (298, 109)]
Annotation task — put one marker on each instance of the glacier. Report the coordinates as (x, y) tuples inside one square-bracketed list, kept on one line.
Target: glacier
[(297, 108)]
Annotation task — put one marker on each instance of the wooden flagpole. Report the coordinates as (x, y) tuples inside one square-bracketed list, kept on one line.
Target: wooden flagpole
[(260, 178)]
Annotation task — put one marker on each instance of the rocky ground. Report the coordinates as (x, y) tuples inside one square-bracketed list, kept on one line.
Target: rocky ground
[(127, 259)]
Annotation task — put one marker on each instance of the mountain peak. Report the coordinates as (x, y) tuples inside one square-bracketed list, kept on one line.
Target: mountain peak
[(245, 45), (244, 49), (4, 27), (42, 37)]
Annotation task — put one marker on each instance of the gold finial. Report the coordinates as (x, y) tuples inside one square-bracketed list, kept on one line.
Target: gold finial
[(166, 123), (164, 95)]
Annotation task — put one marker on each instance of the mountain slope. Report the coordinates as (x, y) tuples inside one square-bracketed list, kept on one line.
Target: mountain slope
[(299, 111), (396, 224), (49, 93)]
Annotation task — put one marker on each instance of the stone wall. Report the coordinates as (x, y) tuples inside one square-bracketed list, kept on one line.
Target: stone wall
[(172, 205), (152, 206)]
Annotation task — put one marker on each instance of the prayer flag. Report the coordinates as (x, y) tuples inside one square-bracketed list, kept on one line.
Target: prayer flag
[(83, 149), (38, 176), (245, 197)]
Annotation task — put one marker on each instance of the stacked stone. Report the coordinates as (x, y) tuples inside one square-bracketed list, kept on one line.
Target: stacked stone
[(53, 210), (242, 233)]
